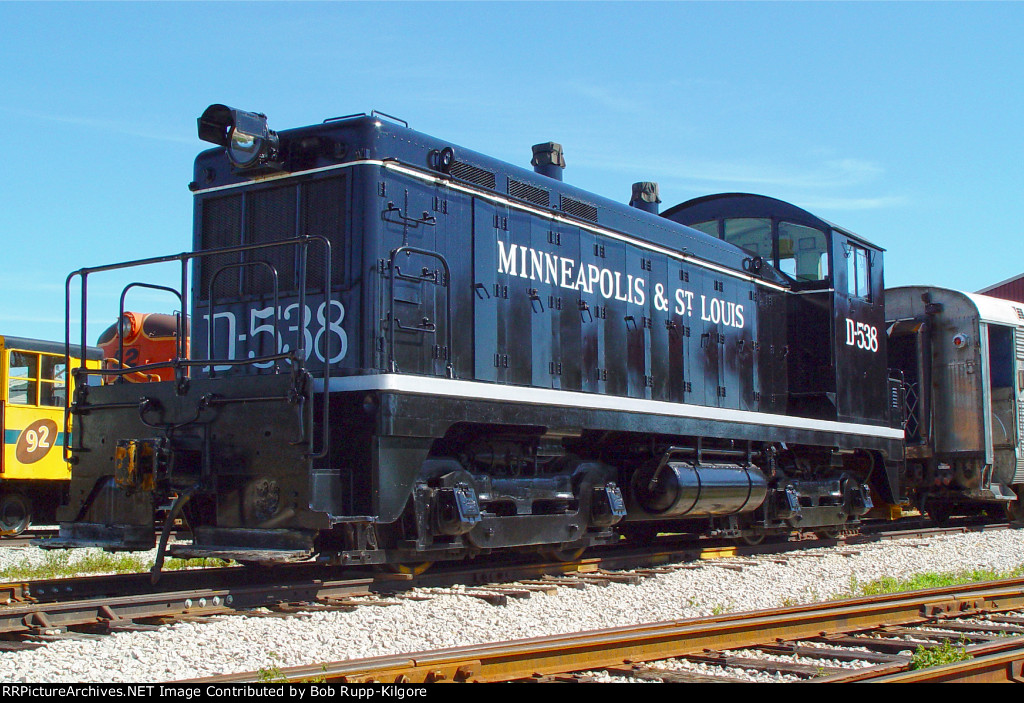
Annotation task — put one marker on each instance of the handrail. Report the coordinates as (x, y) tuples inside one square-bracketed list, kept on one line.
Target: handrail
[(184, 362), (120, 317)]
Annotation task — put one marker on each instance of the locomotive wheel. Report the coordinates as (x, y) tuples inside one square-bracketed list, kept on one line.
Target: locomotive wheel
[(15, 514), (563, 555), (829, 532), (410, 569), (752, 540)]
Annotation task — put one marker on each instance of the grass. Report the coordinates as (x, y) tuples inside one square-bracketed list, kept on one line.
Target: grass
[(920, 582), (946, 653), (59, 564), (273, 673)]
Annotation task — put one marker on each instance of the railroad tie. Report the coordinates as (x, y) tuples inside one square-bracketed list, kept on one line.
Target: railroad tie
[(768, 666)]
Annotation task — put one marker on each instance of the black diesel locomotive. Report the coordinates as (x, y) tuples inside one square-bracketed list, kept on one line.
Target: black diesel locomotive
[(405, 351)]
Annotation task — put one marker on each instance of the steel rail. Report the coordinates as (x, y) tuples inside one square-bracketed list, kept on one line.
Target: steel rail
[(482, 571), (997, 667), (122, 610), (613, 647), (78, 601), (990, 661)]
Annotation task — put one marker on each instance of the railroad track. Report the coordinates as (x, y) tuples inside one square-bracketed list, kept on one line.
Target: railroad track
[(25, 539), (41, 611), (664, 550), (879, 634)]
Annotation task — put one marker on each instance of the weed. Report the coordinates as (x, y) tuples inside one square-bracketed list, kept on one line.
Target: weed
[(59, 564), (946, 653), (274, 674), (919, 582)]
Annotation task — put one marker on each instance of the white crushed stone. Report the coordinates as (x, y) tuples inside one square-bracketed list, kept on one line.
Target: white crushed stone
[(798, 659), (732, 672), (238, 644)]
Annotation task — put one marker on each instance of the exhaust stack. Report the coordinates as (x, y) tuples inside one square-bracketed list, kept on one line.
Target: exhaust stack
[(548, 160), (645, 197)]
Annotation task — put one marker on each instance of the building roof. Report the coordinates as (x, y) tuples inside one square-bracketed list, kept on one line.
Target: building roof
[(1008, 282)]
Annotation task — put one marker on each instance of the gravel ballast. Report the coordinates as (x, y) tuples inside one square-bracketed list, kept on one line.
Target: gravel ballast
[(237, 644)]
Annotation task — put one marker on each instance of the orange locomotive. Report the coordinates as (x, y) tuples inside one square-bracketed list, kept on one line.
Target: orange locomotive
[(146, 338)]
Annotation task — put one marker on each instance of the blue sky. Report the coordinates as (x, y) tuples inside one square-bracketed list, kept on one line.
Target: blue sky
[(899, 121)]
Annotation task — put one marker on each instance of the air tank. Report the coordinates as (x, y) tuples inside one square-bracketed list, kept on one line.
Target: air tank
[(681, 489)]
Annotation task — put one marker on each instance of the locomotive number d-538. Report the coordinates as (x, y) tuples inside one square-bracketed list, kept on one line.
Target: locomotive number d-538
[(405, 351)]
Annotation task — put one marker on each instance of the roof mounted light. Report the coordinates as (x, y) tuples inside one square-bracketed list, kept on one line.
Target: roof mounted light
[(249, 142)]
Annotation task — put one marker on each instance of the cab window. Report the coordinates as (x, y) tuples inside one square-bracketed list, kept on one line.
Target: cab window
[(709, 227), (22, 378), (803, 252), (36, 379), (751, 234), (53, 381), (858, 271)]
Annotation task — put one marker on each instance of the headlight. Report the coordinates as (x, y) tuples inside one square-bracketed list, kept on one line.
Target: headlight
[(245, 135), (127, 327)]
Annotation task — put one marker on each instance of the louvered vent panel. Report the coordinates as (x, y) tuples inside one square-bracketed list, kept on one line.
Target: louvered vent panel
[(530, 193), (270, 217), (222, 227), (579, 208), (324, 206), (472, 174)]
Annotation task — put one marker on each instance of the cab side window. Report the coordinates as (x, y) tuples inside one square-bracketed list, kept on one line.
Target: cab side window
[(803, 252), (36, 379), (52, 381), (22, 378), (709, 227), (858, 271)]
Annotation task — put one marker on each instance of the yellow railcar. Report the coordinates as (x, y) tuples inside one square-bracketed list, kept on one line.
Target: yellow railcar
[(36, 389)]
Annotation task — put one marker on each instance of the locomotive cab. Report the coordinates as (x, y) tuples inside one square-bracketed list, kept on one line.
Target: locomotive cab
[(834, 342)]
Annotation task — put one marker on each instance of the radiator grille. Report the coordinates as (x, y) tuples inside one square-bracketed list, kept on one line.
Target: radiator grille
[(472, 174), (270, 216), (222, 227), (530, 193), (323, 214), (579, 208), (273, 214)]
